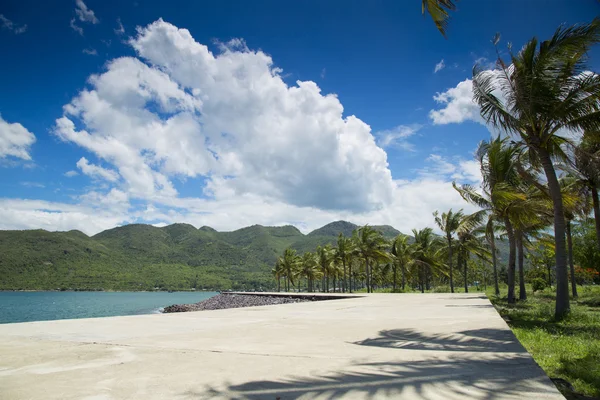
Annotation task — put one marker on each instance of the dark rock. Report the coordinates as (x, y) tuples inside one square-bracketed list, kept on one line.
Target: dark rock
[(223, 301)]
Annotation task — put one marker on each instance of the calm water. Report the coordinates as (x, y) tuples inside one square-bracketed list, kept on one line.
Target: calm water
[(41, 306)]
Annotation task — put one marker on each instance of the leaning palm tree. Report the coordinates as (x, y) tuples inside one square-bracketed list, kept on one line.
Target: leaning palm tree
[(449, 223), (545, 89), (371, 247), (497, 159)]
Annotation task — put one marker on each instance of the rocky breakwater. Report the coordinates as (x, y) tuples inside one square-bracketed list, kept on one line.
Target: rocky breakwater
[(223, 301)]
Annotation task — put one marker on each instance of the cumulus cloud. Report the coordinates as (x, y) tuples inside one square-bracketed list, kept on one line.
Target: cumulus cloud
[(84, 13), (266, 152), (11, 26), (70, 174), (230, 118), (439, 66), (455, 169), (397, 136), (15, 140), (96, 171), (458, 105)]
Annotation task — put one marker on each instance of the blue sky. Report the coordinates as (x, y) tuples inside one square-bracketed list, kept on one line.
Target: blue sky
[(238, 140)]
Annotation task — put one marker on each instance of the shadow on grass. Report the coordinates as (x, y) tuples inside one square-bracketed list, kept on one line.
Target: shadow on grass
[(585, 369)]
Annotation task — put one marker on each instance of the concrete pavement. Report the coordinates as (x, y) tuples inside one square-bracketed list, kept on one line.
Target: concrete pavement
[(400, 346)]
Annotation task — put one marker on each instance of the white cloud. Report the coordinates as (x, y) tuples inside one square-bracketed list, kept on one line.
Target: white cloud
[(95, 171), (439, 66), (84, 13), (70, 174), (397, 136), (269, 153), (75, 27), (458, 105), (11, 26), (32, 184), (15, 140), (227, 117), (119, 30), (90, 51), (458, 169)]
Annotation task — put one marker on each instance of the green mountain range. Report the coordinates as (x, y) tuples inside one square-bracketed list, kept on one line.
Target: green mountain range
[(145, 257)]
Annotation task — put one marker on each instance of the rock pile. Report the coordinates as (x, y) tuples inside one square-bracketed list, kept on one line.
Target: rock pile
[(223, 301)]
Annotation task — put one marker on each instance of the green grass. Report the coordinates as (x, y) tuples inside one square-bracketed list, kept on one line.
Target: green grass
[(567, 349)]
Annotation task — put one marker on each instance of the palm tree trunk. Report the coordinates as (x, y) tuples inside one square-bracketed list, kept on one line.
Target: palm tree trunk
[(494, 263), (421, 279), (511, 261), (596, 205), (520, 257), (560, 247), (403, 277), (345, 277), (350, 277), (571, 265), (367, 275), (279, 284), (465, 259), (450, 263), (394, 267)]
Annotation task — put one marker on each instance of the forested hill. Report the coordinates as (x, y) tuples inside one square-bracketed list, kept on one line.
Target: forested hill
[(144, 257)]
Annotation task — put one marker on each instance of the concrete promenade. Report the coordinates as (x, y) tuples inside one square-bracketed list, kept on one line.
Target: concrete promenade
[(396, 346)]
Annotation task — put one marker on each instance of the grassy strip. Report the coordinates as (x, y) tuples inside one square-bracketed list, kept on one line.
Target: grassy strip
[(567, 349)]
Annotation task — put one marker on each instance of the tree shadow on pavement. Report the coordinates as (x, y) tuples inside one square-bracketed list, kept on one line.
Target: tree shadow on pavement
[(455, 376), (475, 340)]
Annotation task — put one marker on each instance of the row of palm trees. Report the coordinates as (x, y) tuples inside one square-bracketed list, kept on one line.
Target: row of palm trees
[(368, 260), (534, 179)]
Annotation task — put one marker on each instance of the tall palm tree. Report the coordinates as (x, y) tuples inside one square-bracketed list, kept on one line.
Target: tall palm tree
[(371, 247), (308, 269), (497, 159), (324, 259), (439, 11), (545, 90), (470, 243), (278, 273), (289, 264), (424, 254), (343, 253), (587, 169), (448, 223), (400, 252)]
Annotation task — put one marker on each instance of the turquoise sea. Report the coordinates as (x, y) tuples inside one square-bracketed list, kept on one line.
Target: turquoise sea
[(42, 306)]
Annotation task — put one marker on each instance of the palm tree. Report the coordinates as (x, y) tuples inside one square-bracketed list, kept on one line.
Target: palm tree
[(371, 247), (278, 273), (289, 263), (400, 252), (308, 269), (587, 169), (324, 258), (497, 159), (424, 255), (439, 11), (470, 242), (343, 253), (545, 90), (449, 223)]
